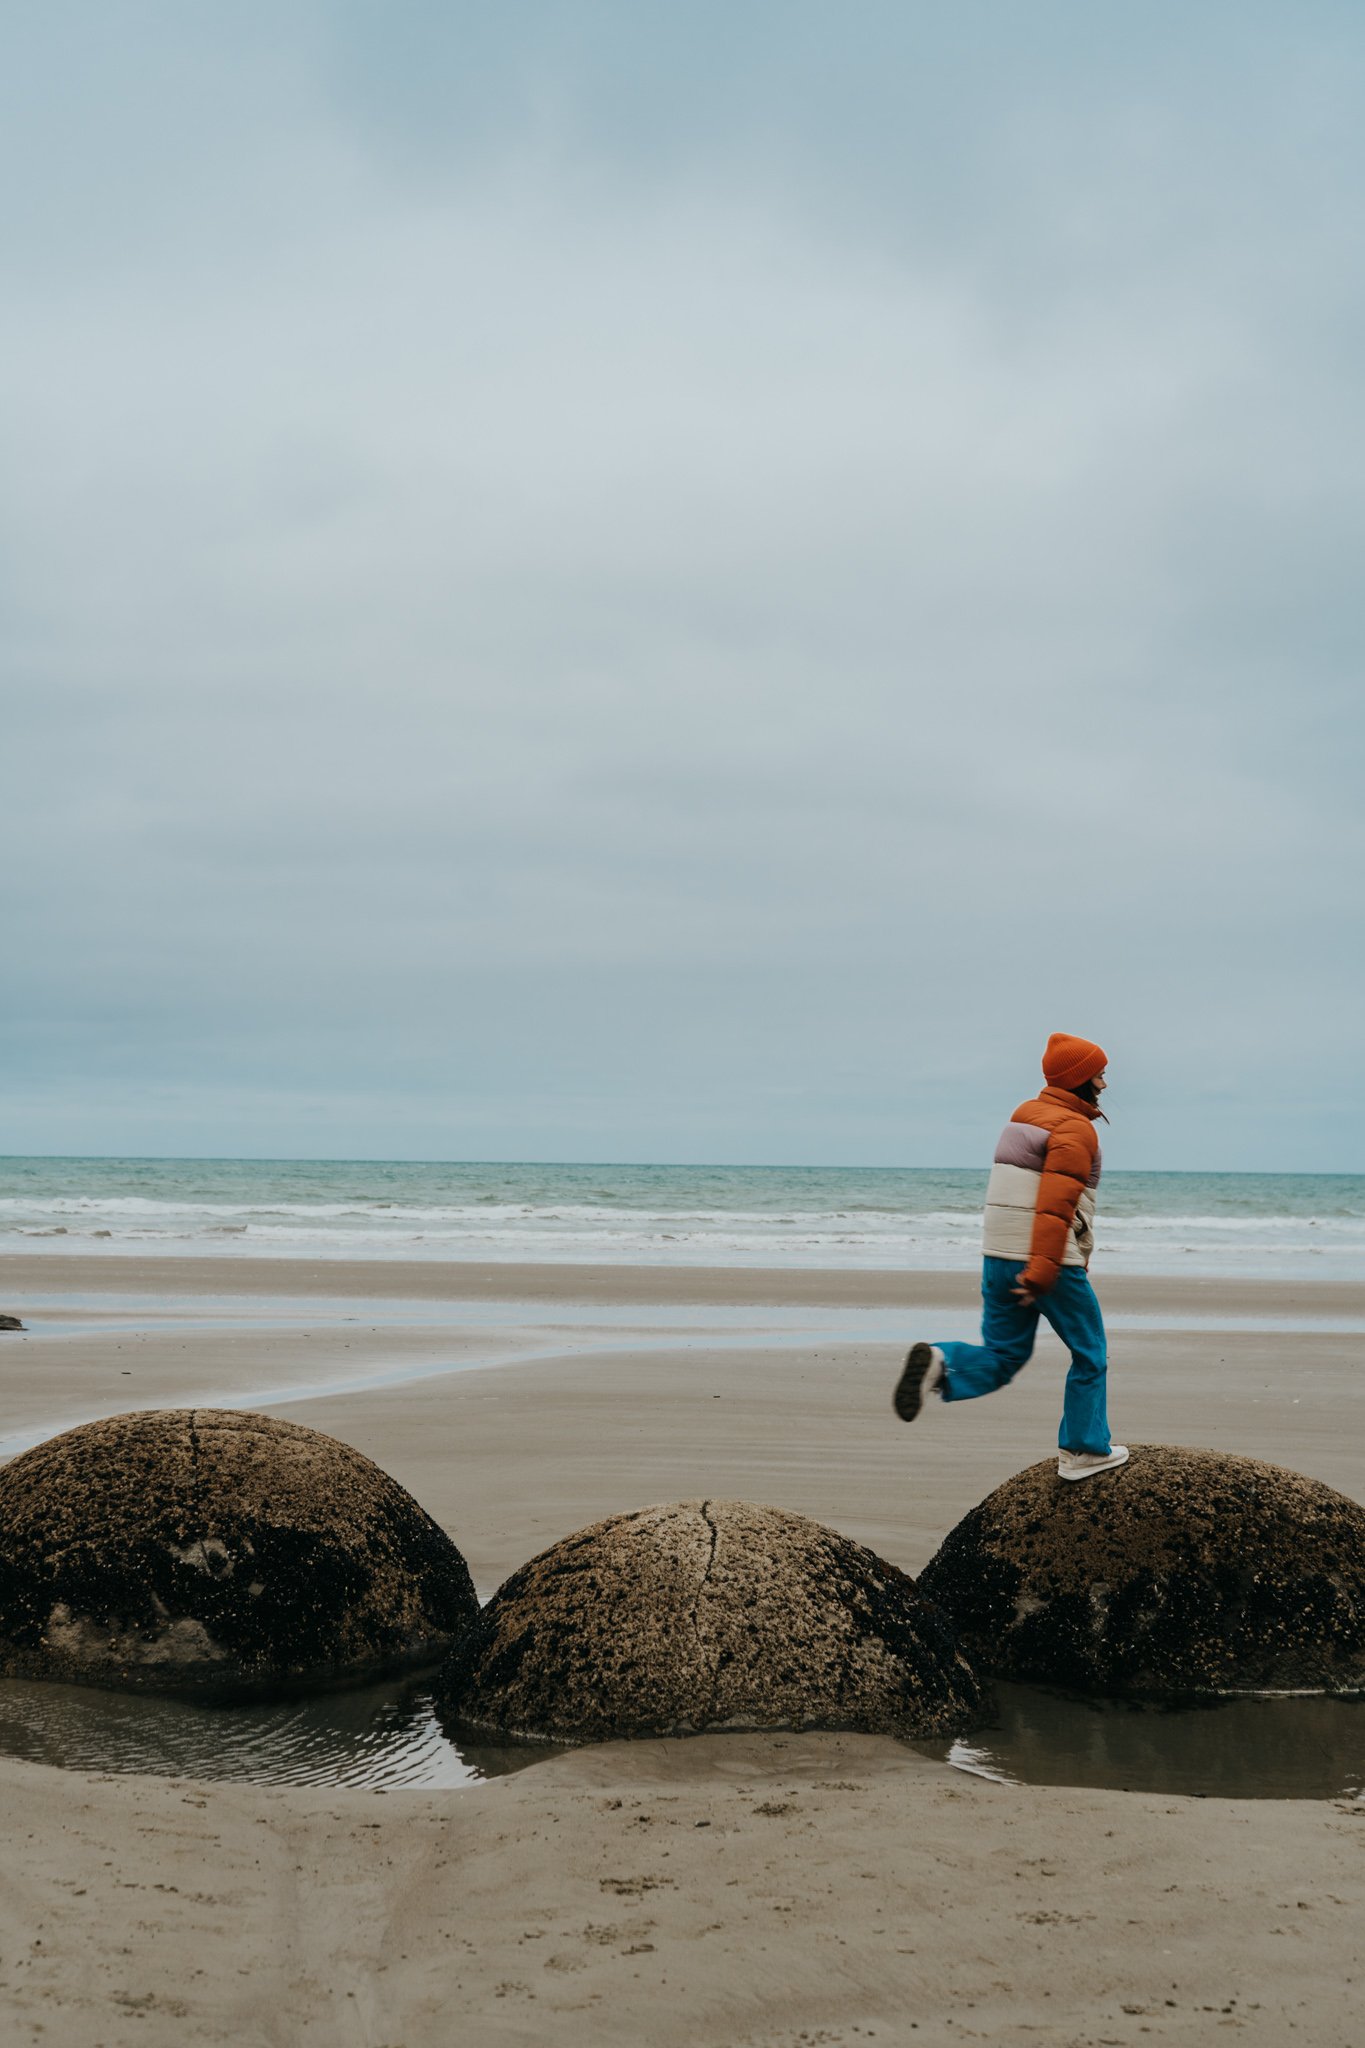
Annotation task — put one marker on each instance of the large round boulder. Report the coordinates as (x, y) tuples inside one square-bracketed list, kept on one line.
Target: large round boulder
[(706, 1615), (1181, 1572), (217, 1554)]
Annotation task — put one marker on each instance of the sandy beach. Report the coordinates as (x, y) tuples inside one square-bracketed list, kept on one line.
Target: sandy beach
[(669, 671), (728, 1891)]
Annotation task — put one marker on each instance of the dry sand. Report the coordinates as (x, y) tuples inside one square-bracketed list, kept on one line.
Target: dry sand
[(729, 1892)]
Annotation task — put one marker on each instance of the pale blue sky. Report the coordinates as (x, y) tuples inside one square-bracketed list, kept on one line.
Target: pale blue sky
[(615, 581)]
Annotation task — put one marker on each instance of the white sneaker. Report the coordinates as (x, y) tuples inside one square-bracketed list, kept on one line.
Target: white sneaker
[(922, 1374), (1085, 1464)]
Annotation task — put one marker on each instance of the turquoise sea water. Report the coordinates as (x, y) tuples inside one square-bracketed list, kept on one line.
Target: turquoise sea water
[(1275, 1225)]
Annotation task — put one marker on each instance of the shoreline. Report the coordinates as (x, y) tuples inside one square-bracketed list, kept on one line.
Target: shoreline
[(230, 1276)]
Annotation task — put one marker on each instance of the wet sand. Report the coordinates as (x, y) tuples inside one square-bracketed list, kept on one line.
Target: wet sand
[(732, 1892), (613, 1286)]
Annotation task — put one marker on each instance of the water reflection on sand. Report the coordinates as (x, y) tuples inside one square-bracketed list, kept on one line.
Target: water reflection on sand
[(388, 1736), (1293, 1748), (382, 1736)]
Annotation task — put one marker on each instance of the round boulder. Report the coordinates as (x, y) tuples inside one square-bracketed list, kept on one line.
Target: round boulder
[(706, 1615), (1181, 1572), (217, 1554)]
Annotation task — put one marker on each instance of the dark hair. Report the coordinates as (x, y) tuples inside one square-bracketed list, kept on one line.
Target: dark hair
[(1089, 1093)]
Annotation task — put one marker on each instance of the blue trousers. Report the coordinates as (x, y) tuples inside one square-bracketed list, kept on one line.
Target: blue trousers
[(1008, 1329)]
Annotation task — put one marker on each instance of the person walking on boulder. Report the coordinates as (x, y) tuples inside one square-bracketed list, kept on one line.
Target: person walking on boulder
[(1040, 1214)]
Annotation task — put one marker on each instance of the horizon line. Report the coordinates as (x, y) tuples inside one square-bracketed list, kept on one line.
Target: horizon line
[(608, 1165)]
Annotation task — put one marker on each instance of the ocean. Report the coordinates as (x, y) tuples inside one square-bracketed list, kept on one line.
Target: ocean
[(1211, 1224)]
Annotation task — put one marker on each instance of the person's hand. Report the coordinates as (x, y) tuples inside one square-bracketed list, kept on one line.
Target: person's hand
[(1022, 1292)]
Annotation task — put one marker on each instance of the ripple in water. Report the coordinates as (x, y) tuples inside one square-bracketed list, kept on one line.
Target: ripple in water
[(388, 1736), (381, 1737)]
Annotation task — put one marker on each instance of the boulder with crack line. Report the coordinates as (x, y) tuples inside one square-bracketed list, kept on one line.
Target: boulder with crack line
[(702, 1615)]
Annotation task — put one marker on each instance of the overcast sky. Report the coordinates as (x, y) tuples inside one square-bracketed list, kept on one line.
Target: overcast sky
[(610, 580)]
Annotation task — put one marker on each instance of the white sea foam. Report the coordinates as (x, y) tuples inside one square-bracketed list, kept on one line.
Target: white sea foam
[(1219, 1224)]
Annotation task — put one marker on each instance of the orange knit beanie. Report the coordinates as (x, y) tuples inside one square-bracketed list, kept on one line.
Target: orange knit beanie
[(1071, 1062)]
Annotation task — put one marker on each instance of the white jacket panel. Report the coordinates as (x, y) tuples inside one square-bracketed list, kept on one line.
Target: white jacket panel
[(1012, 1198)]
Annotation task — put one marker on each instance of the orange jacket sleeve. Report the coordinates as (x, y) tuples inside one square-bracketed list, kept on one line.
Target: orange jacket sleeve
[(1067, 1166)]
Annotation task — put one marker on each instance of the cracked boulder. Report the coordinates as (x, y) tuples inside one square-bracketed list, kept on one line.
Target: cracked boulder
[(1181, 1572), (217, 1554), (706, 1615)]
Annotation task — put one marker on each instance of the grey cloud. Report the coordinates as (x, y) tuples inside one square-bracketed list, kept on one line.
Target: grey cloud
[(556, 601)]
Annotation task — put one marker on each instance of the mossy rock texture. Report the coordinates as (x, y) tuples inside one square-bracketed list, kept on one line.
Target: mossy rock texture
[(217, 1554), (1179, 1573), (707, 1614)]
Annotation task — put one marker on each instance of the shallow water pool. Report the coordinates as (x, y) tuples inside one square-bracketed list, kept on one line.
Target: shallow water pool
[(382, 1736), (387, 1737), (1287, 1748)]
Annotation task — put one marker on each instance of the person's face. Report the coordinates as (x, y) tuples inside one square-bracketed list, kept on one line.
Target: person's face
[(1100, 1084)]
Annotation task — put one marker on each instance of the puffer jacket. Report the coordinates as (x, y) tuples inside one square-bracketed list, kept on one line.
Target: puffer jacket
[(1040, 1204)]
